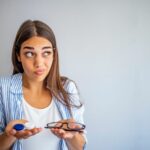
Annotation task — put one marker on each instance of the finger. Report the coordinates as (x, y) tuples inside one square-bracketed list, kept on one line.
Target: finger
[(11, 134), (22, 134), (27, 133), (36, 130), (71, 120), (61, 133), (67, 134), (13, 131)]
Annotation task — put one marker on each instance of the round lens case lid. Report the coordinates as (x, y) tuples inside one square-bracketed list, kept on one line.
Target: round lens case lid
[(19, 127)]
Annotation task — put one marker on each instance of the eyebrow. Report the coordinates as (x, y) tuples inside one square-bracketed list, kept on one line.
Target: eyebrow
[(32, 48)]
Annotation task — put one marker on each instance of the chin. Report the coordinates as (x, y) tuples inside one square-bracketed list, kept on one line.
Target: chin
[(39, 78)]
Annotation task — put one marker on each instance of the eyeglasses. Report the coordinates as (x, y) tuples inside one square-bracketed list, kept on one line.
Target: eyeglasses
[(67, 126)]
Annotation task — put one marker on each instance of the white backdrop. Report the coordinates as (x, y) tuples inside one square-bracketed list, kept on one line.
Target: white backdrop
[(105, 47)]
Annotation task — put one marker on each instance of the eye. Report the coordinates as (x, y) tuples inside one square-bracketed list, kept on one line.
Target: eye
[(29, 54), (47, 53)]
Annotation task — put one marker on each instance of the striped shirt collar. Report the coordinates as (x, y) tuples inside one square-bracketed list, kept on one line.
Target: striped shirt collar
[(16, 84)]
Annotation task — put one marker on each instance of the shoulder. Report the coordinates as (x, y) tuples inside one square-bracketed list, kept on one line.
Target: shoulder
[(10, 81), (70, 86), (72, 90), (9, 78), (5, 80)]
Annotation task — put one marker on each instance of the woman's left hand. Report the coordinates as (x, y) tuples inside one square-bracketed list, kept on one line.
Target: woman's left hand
[(62, 133)]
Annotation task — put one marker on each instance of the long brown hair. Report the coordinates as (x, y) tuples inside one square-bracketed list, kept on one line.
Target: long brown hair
[(55, 83)]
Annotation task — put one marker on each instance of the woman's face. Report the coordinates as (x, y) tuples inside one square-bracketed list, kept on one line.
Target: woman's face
[(36, 57)]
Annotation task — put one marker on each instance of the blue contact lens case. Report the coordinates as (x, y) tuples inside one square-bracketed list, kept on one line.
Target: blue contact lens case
[(27, 125), (19, 127)]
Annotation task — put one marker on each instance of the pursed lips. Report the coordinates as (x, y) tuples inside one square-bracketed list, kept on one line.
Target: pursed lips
[(39, 71)]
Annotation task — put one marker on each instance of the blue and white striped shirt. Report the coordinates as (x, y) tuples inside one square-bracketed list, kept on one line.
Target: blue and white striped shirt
[(11, 96)]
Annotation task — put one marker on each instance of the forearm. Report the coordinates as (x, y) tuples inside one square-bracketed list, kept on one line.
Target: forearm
[(6, 141), (76, 143)]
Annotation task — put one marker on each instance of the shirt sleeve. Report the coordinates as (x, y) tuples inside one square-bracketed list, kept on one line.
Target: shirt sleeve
[(2, 116), (77, 113), (75, 100)]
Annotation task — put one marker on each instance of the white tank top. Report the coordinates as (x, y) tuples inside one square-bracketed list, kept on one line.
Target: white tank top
[(45, 140)]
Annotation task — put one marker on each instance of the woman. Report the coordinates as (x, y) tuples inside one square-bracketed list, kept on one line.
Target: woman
[(37, 93)]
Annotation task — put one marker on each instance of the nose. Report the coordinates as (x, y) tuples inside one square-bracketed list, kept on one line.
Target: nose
[(38, 62)]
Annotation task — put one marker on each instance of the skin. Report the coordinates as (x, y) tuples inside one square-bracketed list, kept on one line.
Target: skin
[(36, 56)]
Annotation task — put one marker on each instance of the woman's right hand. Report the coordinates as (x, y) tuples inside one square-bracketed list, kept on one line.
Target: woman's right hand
[(23, 134)]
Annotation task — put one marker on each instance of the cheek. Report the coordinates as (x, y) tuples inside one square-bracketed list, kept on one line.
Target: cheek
[(49, 62), (26, 65)]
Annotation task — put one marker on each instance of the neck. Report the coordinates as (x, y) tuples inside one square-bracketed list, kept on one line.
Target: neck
[(33, 85)]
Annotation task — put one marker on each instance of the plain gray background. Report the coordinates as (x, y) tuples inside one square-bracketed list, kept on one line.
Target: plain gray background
[(105, 47)]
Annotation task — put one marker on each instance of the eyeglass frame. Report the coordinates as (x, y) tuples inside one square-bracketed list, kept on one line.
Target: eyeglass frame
[(67, 123)]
